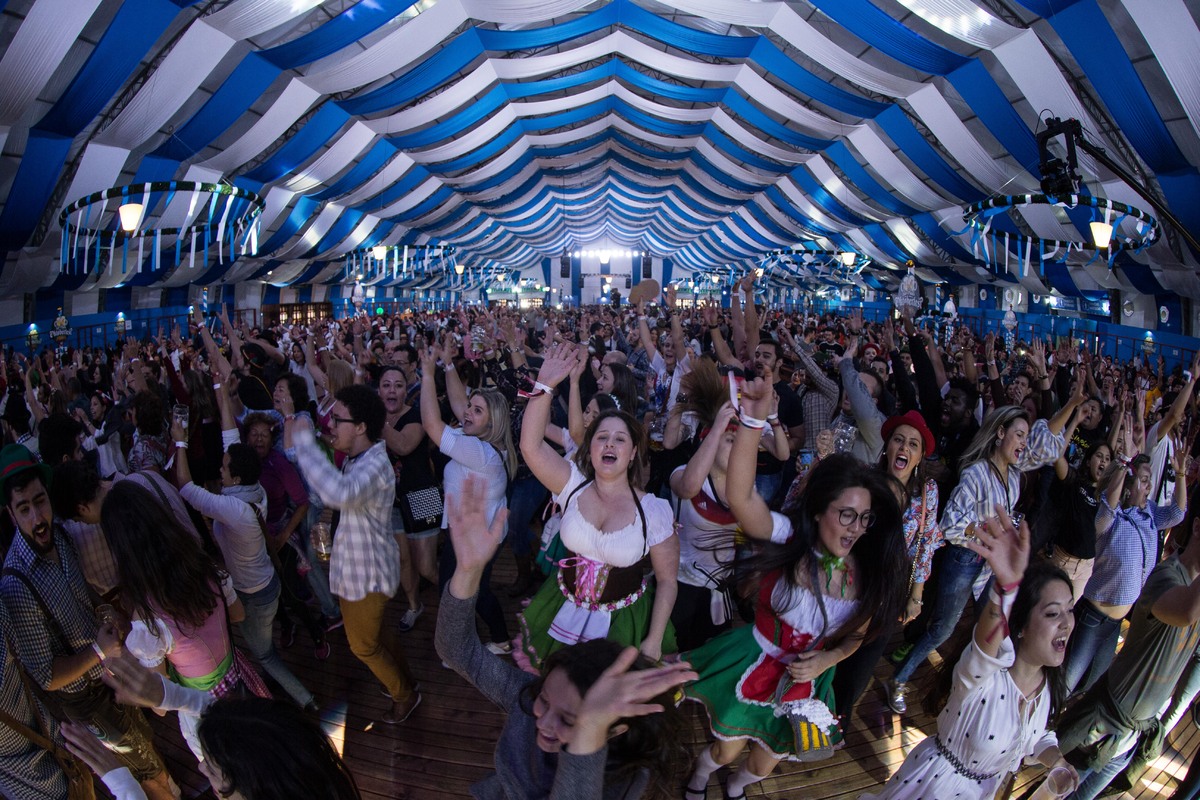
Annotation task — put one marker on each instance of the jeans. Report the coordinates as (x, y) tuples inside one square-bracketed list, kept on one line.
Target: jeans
[(1092, 783), (256, 630), (853, 674), (526, 496), (956, 568), (374, 644), (767, 486), (1092, 646), (318, 581), (486, 605)]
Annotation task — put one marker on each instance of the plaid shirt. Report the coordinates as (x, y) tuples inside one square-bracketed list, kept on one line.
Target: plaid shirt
[(26, 770), (95, 558), (1127, 549), (62, 587), (366, 558), (979, 482)]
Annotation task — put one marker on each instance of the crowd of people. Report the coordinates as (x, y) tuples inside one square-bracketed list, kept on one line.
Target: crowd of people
[(742, 508)]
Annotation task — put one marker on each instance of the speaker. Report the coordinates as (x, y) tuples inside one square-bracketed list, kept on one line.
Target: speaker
[(647, 263), (564, 266), (615, 297), (628, 282)]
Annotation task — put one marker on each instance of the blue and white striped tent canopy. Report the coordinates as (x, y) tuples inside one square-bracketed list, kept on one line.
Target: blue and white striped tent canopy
[(709, 132)]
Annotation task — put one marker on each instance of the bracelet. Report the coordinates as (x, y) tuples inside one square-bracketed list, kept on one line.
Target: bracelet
[(182, 445), (541, 387), (448, 366), (99, 651), (916, 600), (751, 422), (216, 386), (772, 418), (714, 327)]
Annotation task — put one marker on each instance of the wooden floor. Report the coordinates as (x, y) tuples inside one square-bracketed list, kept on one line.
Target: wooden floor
[(447, 744)]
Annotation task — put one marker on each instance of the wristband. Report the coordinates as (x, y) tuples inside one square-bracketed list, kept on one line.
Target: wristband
[(751, 422), (448, 366), (1010, 588), (1005, 601), (99, 651), (538, 386), (772, 418), (714, 327), (916, 600), (182, 445), (216, 386)]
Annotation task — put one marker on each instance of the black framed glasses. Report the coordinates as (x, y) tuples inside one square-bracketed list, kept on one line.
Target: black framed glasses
[(848, 516), (340, 420)]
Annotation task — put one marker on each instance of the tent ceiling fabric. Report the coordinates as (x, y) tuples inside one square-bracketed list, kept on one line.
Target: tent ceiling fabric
[(707, 131)]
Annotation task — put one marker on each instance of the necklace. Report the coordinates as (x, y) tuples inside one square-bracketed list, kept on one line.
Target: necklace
[(831, 564)]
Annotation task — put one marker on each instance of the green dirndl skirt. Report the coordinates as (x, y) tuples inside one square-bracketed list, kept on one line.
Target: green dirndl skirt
[(628, 625), (725, 665)]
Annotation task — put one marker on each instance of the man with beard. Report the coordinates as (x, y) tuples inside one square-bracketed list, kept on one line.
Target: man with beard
[(57, 636)]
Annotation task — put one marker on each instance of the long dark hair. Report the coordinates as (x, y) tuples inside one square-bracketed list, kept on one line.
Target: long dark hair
[(298, 389), (654, 742), (269, 750), (1037, 575), (880, 554), (163, 569), (624, 387)]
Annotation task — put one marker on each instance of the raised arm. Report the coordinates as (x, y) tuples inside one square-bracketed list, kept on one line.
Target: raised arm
[(748, 507), (750, 314), (1175, 413), (688, 483), (1006, 550), (547, 465), (431, 417), (724, 355), (575, 398), (456, 393)]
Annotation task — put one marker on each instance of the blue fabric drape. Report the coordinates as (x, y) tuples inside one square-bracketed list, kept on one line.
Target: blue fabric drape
[(871, 24), (345, 29)]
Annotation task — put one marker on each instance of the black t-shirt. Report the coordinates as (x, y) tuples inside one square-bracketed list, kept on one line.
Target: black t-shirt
[(415, 470), (1070, 516)]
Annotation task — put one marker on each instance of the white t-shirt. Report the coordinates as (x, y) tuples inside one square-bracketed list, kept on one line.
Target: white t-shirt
[(470, 455)]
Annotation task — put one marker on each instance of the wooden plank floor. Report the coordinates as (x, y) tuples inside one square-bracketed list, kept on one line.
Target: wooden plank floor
[(448, 743)]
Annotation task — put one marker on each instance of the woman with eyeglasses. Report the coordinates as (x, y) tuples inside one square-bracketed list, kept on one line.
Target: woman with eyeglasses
[(829, 575), (483, 447)]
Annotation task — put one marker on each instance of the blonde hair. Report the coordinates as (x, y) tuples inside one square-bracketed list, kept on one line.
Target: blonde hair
[(499, 432), (338, 375)]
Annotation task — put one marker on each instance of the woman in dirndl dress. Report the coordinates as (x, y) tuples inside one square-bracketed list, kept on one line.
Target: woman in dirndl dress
[(828, 575), (611, 530)]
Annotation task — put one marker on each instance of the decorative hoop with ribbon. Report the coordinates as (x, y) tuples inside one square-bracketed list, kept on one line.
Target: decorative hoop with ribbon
[(995, 248), (217, 214), (399, 261)]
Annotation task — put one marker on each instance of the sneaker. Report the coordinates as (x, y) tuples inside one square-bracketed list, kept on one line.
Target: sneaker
[(287, 634), (895, 692), (900, 653), (499, 648), (333, 623), (322, 651), (399, 712), (409, 619)]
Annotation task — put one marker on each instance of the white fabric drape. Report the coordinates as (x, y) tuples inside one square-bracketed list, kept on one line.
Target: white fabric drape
[(37, 50), (171, 85), (895, 174), (295, 99), (246, 19), (1171, 33), (978, 165), (964, 20), (345, 150)]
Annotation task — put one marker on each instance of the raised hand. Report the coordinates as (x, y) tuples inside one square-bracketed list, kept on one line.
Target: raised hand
[(558, 362), (1004, 546), (756, 398), (474, 540), (133, 684), (620, 693), (671, 291), (725, 415), (888, 336), (581, 364)]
